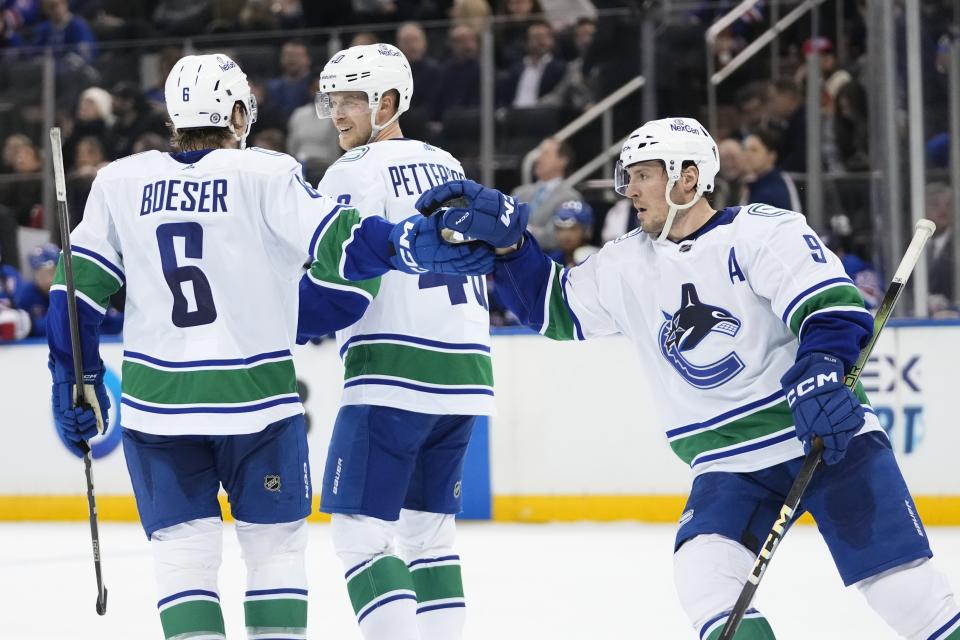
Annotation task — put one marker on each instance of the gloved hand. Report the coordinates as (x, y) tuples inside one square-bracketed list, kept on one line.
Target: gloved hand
[(78, 424), (486, 214), (420, 248), (822, 405)]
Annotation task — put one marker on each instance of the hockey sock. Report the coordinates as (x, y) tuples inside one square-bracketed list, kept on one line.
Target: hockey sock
[(187, 557), (949, 631), (440, 604), (275, 603), (916, 600), (193, 614), (383, 598), (753, 627), (426, 540)]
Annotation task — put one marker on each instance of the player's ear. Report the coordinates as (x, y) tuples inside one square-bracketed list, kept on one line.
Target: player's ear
[(689, 178), (239, 117)]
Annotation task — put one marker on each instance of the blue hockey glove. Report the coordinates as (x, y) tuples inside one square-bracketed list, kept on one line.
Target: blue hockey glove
[(822, 405), (485, 214), (76, 425), (420, 248)]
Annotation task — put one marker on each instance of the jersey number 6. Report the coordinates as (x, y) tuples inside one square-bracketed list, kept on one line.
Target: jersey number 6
[(204, 311)]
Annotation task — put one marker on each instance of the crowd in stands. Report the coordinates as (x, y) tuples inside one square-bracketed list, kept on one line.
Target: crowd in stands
[(553, 59)]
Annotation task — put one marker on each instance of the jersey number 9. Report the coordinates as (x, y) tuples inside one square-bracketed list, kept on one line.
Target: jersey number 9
[(203, 311)]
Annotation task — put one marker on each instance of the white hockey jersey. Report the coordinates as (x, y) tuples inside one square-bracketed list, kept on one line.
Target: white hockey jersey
[(211, 247), (716, 320), (424, 343)]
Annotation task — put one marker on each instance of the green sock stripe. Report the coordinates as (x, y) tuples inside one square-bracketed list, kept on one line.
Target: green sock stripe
[(951, 629), (438, 583), (755, 627), (192, 619), (278, 613), (383, 575)]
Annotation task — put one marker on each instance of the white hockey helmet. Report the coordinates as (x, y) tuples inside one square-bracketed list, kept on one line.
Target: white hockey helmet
[(672, 141), (373, 69), (201, 91)]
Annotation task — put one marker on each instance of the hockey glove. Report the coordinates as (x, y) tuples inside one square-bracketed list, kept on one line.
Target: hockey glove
[(419, 248), (76, 425), (486, 214), (822, 405)]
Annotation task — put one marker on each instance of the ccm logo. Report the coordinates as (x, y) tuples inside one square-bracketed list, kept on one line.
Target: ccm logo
[(808, 385), (405, 250), (508, 210)]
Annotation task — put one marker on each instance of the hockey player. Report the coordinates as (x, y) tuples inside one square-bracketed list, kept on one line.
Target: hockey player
[(210, 241), (417, 373), (747, 324)]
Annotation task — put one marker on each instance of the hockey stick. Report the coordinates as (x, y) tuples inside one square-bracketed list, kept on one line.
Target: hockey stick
[(64, 219), (922, 232)]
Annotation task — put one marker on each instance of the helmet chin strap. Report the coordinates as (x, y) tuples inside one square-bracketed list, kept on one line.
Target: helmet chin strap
[(673, 209), (375, 129)]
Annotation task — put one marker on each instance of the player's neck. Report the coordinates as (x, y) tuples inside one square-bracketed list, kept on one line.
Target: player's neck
[(389, 132), (695, 217)]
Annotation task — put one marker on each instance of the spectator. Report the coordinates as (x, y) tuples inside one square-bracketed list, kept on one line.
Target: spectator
[(94, 116), (11, 147), (270, 139), (471, 13), (730, 180), (34, 296), (311, 139), (9, 238), (23, 195), (63, 29), (412, 41), (751, 103), (133, 118), (460, 76), (621, 218), (787, 112), (14, 322), (151, 142), (90, 157), (940, 262), (292, 88), (851, 128), (182, 17), (573, 230), (545, 195), (563, 14), (864, 275), (511, 34), (364, 38), (167, 57), (766, 184), (538, 73), (577, 88)]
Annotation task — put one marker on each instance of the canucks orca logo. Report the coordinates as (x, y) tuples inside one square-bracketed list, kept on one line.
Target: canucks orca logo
[(687, 328)]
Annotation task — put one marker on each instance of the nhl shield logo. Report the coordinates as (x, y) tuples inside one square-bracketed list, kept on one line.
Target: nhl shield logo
[(271, 483), (684, 330)]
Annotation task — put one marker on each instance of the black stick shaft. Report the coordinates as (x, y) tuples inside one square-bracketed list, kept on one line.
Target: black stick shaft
[(79, 400), (923, 232)]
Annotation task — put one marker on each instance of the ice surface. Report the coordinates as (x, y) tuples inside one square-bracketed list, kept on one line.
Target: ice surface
[(557, 581)]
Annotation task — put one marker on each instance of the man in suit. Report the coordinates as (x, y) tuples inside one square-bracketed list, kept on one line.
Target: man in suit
[(939, 199), (539, 71), (545, 195)]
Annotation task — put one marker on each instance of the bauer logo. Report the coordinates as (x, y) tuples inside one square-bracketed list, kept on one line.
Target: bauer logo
[(271, 483)]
